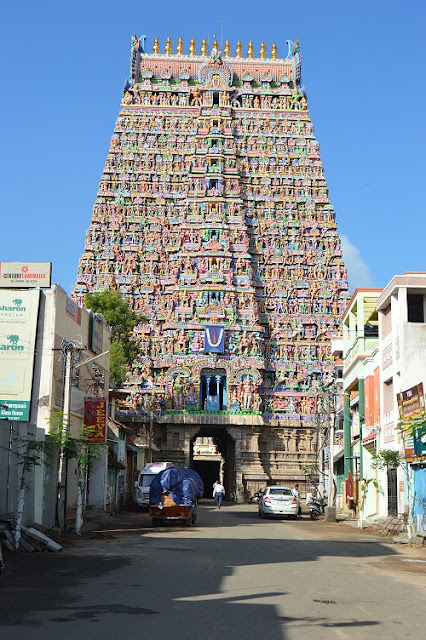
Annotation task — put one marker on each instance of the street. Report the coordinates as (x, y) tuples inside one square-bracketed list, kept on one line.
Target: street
[(232, 576)]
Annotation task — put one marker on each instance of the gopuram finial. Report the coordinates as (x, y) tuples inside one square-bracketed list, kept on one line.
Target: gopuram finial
[(156, 46), (168, 47), (238, 49), (274, 51), (262, 51), (204, 47), (250, 50), (179, 47), (227, 49), (192, 48)]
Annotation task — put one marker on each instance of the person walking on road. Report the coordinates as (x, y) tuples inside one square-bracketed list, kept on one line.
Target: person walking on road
[(296, 494), (218, 493)]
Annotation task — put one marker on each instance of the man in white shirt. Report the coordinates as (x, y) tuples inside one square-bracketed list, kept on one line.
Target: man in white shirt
[(296, 494), (218, 493)]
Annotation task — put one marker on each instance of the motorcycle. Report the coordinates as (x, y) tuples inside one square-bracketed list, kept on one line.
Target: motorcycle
[(257, 495), (316, 507)]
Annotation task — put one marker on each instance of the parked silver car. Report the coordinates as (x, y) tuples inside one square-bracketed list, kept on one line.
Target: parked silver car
[(278, 501)]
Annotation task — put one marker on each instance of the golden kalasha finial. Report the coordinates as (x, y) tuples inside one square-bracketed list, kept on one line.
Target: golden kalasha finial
[(227, 49), (156, 46), (239, 49), (168, 47), (179, 47), (250, 50), (204, 47), (192, 48), (215, 44), (274, 51), (262, 51)]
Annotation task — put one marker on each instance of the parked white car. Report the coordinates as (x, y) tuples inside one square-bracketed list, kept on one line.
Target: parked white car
[(278, 501)]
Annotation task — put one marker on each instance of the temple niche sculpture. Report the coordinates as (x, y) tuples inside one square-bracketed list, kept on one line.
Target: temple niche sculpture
[(213, 220)]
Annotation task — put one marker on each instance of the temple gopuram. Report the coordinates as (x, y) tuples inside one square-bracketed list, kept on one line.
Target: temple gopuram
[(213, 220)]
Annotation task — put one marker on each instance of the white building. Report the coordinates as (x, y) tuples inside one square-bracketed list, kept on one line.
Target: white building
[(402, 321), (38, 326)]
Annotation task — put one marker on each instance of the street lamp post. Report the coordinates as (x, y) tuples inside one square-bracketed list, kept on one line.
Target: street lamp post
[(69, 348)]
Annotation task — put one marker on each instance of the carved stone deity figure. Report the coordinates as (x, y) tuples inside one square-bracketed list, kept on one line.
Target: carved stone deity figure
[(257, 401), (247, 393), (179, 388)]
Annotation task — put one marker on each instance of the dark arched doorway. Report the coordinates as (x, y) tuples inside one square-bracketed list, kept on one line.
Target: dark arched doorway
[(214, 467)]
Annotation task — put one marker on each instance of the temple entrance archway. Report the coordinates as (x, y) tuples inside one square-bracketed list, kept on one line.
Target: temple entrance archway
[(214, 467)]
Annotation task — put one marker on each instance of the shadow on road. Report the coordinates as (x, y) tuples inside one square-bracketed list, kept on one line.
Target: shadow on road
[(189, 583)]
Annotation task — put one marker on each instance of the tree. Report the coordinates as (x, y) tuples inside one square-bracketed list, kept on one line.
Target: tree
[(122, 321)]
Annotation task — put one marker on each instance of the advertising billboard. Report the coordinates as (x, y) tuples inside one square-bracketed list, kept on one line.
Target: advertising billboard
[(15, 275), (18, 326), (411, 408)]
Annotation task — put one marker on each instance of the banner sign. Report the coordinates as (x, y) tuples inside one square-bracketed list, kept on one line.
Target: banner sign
[(95, 417), (411, 403), (214, 339), (15, 275), (18, 327), (411, 406)]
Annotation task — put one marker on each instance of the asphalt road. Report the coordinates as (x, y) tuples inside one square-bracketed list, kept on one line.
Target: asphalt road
[(232, 577)]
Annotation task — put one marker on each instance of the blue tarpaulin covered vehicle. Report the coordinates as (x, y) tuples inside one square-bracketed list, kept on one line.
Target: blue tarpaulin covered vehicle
[(174, 494)]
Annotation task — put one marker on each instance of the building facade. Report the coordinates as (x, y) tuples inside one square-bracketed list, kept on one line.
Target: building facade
[(49, 324), (402, 316), (213, 220), (360, 417)]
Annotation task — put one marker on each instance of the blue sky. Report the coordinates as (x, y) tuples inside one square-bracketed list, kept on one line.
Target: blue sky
[(63, 67)]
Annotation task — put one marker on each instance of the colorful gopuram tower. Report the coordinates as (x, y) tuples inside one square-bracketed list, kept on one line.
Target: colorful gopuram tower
[(213, 220)]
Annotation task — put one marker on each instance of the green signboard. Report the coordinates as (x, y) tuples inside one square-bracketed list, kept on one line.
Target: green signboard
[(18, 326)]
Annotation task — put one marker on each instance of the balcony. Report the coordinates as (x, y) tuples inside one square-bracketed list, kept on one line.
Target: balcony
[(361, 347)]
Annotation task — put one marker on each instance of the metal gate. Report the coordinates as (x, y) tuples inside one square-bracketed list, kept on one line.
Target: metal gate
[(392, 493)]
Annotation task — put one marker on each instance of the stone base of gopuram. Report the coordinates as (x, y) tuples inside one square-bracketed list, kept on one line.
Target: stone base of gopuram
[(254, 455)]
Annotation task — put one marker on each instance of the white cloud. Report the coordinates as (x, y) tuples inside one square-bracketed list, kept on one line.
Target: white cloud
[(359, 274)]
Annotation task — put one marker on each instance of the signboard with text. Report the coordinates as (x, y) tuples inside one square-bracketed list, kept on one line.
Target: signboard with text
[(14, 275), (411, 406), (95, 419), (18, 326)]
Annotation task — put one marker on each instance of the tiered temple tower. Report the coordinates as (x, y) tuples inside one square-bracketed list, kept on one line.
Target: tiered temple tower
[(213, 219)]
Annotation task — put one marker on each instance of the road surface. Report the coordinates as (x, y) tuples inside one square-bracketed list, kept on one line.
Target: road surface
[(232, 577)]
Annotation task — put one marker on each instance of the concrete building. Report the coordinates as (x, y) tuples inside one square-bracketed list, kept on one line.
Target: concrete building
[(402, 321), (52, 342), (360, 359)]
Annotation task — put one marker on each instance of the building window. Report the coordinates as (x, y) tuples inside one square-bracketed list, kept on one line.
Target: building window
[(388, 398), (415, 307), (215, 98)]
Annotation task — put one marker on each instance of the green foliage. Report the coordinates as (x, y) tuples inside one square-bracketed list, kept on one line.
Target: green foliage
[(118, 362), (387, 459), (30, 454), (122, 320)]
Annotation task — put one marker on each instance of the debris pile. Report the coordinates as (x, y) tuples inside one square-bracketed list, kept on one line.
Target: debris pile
[(30, 538)]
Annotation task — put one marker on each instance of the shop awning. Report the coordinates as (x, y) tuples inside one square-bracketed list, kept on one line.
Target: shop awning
[(112, 462)]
